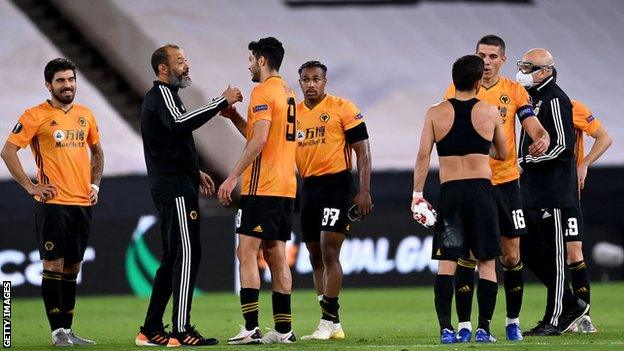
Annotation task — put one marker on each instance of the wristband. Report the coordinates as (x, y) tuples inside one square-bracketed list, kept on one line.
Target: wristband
[(95, 187), (417, 194)]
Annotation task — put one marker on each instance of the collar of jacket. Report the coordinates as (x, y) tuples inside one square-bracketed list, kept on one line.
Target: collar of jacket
[(171, 87)]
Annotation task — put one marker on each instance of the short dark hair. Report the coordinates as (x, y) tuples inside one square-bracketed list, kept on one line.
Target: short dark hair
[(269, 48), (492, 40), (311, 64), (57, 65), (467, 70), (161, 56)]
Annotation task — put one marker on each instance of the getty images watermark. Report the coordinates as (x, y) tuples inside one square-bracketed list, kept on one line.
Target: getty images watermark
[(6, 314)]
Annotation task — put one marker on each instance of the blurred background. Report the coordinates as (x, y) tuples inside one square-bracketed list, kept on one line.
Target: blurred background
[(391, 58)]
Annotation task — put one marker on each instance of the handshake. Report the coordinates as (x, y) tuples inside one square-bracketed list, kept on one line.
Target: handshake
[(232, 95)]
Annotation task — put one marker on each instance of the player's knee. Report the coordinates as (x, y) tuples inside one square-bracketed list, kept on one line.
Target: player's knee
[(510, 259), (316, 260), (53, 265), (71, 268)]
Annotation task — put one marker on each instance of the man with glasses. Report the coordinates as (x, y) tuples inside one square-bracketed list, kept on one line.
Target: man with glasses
[(548, 185)]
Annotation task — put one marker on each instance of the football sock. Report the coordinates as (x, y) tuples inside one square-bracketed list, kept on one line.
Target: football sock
[(249, 307), (486, 295), (52, 300), (329, 309), (68, 289), (443, 292), (580, 280), (513, 281), (464, 288), (281, 312)]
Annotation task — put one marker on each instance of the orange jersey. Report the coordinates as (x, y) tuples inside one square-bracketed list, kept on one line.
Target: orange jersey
[(273, 171), (321, 143), (60, 142), (584, 121), (508, 96)]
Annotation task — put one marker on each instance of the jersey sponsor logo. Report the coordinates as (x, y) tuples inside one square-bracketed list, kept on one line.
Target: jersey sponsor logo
[(324, 117), (82, 121), (358, 116), (502, 110), (18, 128), (590, 118), (258, 229), (300, 135), (536, 109), (311, 136), (69, 138), (504, 99), (58, 135), (193, 214), (260, 108)]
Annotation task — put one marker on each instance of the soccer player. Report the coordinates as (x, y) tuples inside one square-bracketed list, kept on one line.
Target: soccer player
[(61, 135), (584, 121), (267, 166), (548, 185), (328, 127), (512, 100), (175, 180), (463, 129)]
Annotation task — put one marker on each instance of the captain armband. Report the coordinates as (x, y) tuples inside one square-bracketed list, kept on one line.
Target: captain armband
[(524, 112), (357, 133)]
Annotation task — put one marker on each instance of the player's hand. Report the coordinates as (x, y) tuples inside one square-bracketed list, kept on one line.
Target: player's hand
[(93, 196), (582, 174), (229, 112), (232, 95), (364, 203), (206, 185), (225, 190), (539, 147), (44, 191), (423, 212)]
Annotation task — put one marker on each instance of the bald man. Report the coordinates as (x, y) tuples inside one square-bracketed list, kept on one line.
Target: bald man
[(548, 185)]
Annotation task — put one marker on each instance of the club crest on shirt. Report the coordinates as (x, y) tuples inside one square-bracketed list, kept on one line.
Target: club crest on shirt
[(49, 246), (82, 121), (193, 214), (324, 117), (504, 99), (18, 128)]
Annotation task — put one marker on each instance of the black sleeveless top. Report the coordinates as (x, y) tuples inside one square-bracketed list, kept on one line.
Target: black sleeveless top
[(463, 139)]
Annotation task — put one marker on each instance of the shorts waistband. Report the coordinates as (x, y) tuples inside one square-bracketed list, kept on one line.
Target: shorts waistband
[(320, 178), (460, 182)]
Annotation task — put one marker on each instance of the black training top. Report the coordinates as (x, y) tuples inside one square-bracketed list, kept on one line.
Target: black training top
[(168, 145), (463, 139)]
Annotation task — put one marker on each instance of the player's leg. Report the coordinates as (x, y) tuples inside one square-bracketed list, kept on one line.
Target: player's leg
[(152, 332), (52, 226), (513, 280), (464, 290), (486, 296), (443, 299)]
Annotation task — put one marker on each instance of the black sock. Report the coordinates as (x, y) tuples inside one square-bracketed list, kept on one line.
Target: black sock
[(513, 281), (443, 292), (68, 289), (281, 312), (329, 309), (486, 295), (464, 288), (249, 306), (580, 280), (52, 298)]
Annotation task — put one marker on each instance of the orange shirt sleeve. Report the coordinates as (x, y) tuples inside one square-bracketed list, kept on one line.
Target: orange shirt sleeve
[(450, 92), (521, 97), (24, 130), (350, 115), (260, 106), (583, 118), (94, 132)]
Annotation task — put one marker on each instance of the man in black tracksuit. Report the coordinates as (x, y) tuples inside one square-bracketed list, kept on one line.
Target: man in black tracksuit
[(548, 185), (174, 177)]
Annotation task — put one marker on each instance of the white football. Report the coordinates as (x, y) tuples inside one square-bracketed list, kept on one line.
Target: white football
[(423, 215)]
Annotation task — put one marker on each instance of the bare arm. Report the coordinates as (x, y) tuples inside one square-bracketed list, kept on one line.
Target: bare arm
[(9, 155), (97, 167), (539, 135), (239, 122), (363, 198), (498, 150), (423, 157), (601, 144), (252, 150)]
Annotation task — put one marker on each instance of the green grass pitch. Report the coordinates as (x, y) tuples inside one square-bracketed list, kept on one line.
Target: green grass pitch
[(373, 319)]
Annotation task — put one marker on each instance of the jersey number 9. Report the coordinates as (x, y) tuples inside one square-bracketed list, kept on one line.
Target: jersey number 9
[(290, 120)]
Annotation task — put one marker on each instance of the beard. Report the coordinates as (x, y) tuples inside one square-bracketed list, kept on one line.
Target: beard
[(179, 80), (66, 100)]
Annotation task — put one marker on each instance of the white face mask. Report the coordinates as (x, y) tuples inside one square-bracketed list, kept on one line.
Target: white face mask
[(526, 79)]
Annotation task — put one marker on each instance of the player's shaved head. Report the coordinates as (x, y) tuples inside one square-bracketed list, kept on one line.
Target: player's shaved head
[(539, 56)]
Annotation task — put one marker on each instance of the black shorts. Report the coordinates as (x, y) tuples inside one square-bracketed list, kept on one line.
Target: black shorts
[(265, 217), (467, 221), (509, 205), (62, 231), (325, 202), (572, 223)]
